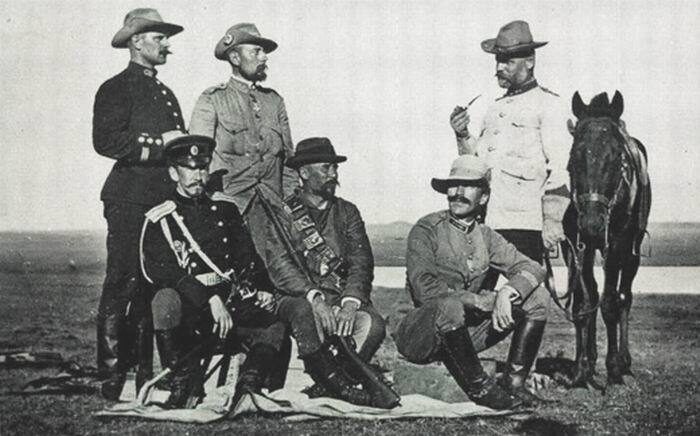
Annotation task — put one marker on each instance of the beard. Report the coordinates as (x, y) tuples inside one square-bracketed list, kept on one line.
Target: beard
[(327, 190), (259, 75)]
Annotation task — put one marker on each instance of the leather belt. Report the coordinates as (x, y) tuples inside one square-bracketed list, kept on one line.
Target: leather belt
[(209, 279)]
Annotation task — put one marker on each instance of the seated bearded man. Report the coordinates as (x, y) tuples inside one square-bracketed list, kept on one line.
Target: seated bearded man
[(447, 258)]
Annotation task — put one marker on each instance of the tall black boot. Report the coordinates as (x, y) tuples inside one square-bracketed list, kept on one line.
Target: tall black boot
[(324, 371), (186, 369), (523, 350), (144, 351), (460, 359), (111, 361)]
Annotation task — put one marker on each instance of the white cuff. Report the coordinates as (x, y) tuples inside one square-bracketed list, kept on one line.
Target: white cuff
[(346, 299), (145, 152), (313, 293)]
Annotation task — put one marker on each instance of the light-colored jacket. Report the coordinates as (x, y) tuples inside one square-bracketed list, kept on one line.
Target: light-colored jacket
[(253, 138), (525, 142)]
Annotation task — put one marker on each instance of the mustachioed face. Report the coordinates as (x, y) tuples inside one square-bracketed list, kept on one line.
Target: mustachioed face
[(190, 181), (250, 60), (320, 178), (512, 72), (466, 201), (152, 47)]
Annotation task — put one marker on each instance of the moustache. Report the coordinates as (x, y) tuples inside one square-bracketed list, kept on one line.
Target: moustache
[(458, 199), (196, 185), (332, 183), (166, 52)]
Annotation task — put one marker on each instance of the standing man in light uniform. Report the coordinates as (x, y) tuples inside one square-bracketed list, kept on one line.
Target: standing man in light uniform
[(525, 142), (250, 126), (132, 111)]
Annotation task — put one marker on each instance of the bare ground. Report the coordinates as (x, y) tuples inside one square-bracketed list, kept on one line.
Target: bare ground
[(55, 310)]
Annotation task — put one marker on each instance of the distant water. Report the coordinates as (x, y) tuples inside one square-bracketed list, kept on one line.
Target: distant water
[(649, 280)]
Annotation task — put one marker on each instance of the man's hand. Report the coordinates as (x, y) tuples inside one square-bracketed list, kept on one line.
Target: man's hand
[(265, 301), (459, 120), (552, 234), (324, 313), (346, 318), (222, 319), (502, 316)]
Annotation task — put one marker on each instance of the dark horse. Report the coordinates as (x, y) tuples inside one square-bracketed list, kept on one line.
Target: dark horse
[(610, 200)]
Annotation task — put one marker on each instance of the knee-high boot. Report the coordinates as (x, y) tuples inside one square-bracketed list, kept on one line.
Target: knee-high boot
[(523, 350), (324, 371), (461, 360), (185, 383), (111, 357)]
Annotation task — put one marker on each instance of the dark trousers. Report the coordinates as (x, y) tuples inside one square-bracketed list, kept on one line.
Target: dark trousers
[(528, 242), (124, 327)]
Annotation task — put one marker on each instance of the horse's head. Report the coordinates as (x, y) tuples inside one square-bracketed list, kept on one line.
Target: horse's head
[(596, 161)]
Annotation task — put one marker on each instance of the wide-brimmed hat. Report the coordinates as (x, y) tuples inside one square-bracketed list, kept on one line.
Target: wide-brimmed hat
[(465, 170), (242, 33), (514, 37), (314, 150), (192, 151), (143, 20)]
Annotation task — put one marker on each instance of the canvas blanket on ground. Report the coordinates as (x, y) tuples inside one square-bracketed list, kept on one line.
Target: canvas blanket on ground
[(289, 404)]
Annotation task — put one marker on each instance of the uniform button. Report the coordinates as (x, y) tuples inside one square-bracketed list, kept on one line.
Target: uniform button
[(164, 92), (159, 141), (226, 256), (502, 115), (220, 224), (158, 81), (469, 241), (177, 126), (141, 139), (168, 103), (225, 240), (175, 114), (193, 264), (470, 257), (149, 140), (213, 207)]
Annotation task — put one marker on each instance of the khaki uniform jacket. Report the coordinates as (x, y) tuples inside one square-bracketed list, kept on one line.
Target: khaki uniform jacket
[(253, 139), (445, 258), (525, 142)]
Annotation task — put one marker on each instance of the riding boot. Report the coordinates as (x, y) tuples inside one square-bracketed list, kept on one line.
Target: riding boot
[(256, 367), (111, 362), (523, 351), (186, 369), (460, 359), (324, 371), (144, 351)]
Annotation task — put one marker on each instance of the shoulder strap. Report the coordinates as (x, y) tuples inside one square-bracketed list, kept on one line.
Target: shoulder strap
[(197, 249)]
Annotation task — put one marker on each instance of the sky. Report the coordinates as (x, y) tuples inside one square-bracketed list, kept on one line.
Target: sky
[(378, 78)]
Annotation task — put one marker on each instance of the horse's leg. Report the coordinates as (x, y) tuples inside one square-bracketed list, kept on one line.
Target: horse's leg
[(585, 320), (610, 309), (629, 270)]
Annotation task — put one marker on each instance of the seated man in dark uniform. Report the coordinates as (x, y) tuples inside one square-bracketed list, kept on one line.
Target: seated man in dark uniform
[(447, 258), (196, 247)]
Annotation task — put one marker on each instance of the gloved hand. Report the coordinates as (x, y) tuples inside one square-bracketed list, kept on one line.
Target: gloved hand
[(553, 208)]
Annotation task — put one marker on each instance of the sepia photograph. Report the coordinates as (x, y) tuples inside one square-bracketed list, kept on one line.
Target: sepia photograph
[(314, 217)]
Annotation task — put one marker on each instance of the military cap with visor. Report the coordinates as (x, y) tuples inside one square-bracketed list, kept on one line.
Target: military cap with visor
[(191, 151)]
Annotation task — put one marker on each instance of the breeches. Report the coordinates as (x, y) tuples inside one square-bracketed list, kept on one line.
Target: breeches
[(418, 334), (251, 325), (368, 332)]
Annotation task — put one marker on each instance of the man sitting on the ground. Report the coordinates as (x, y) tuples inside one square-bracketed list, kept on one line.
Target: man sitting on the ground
[(447, 259)]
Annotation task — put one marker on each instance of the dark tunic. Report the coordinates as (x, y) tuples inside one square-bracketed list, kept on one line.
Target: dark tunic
[(131, 112)]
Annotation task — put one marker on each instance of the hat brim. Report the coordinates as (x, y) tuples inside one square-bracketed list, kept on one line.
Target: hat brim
[(442, 185), (489, 46), (122, 36), (191, 162), (221, 49), (297, 162)]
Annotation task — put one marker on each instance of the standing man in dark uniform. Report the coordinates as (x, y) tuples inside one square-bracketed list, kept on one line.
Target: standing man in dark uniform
[(131, 112)]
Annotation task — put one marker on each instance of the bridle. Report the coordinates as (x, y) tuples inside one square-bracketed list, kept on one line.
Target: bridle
[(579, 247)]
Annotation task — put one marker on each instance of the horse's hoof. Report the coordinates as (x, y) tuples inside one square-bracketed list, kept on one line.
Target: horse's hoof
[(615, 379)]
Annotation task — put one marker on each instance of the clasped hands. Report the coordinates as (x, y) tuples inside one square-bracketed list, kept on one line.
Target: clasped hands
[(335, 320)]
